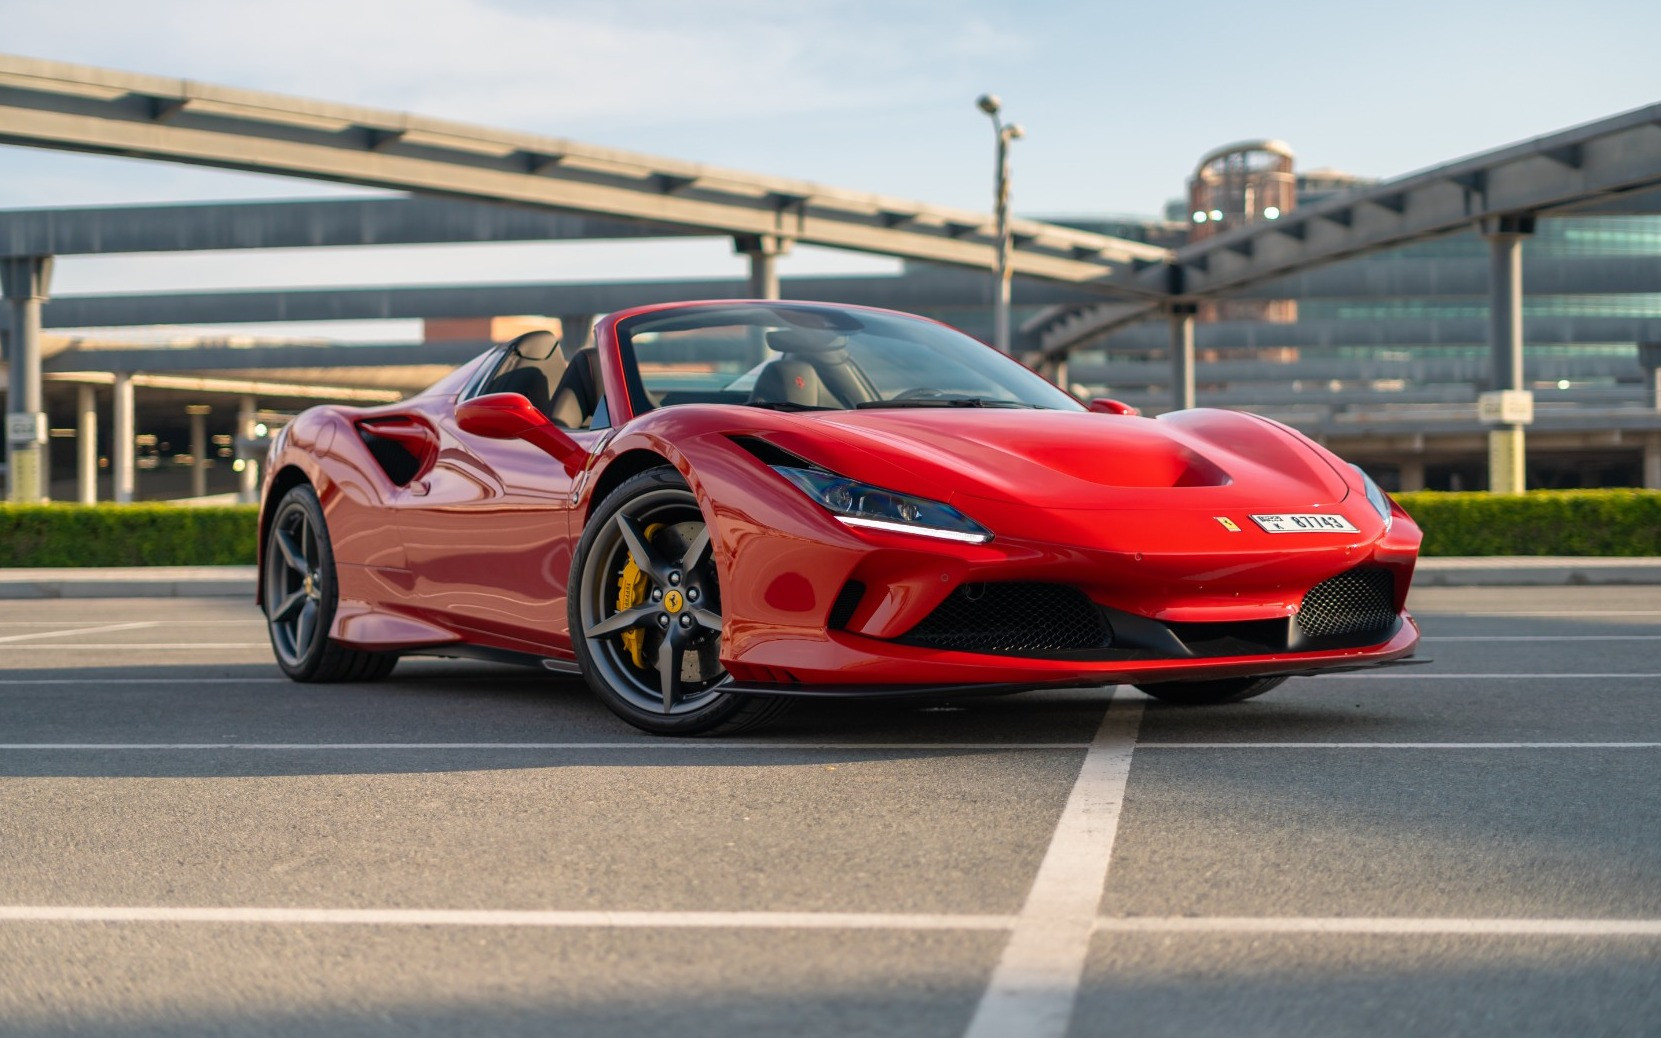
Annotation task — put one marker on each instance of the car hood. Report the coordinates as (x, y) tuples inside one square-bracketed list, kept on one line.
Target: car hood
[(1065, 459)]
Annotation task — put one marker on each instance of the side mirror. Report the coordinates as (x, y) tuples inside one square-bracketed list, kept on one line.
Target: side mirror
[(1107, 405), (510, 416)]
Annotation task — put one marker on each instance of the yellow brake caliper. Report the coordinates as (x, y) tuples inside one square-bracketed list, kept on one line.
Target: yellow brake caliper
[(631, 591)]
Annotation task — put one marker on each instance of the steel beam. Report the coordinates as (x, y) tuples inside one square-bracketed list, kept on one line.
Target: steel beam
[(298, 224), (929, 289), (1439, 278), (76, 108), (1403, 333), (1600, 161)]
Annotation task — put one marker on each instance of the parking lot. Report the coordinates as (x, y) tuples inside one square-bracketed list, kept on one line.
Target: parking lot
[(190, 844)]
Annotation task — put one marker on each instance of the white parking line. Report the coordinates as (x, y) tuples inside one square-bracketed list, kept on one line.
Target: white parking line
[(661, 744), (1385, 925), (1036, 982), (147, 646), (65, 633), (486, 917), (1556, 613), (1443, 676), (1400, 746), (1336, 925), (766, 747), (1542, 638), (252, 623), (145, 681)]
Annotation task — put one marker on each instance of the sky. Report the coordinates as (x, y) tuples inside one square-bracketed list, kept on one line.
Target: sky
[(1118, 102)]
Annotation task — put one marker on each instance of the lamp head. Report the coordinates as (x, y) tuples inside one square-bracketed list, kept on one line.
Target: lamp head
[(989, 103)]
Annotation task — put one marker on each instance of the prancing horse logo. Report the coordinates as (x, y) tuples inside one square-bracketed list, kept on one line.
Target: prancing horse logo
[(1228, 524), (673, 601)]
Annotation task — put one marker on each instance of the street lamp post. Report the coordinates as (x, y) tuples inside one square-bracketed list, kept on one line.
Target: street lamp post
[(1006, 132)]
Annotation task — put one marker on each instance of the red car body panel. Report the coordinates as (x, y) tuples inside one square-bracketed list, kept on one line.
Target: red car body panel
[(475, 550)]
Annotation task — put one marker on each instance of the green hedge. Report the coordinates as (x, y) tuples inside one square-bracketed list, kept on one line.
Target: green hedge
[(127, 535), (1543, 522)]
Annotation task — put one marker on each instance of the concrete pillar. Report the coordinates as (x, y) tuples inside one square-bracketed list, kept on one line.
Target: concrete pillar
[(86, 445), (1182, 355), (1058, 374), (1507, 444), (25, 281), (123, 463), (1652, 463), (576, 331), (764, 251), (1411, 475), (1649, 356), (248, 479), (199, 448)]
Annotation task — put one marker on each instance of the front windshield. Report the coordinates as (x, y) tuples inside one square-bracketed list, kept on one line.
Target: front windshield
[(796, 356)]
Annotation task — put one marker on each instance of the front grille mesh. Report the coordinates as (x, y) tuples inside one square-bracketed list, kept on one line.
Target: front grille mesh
[(1361, 601), (1013, 619)]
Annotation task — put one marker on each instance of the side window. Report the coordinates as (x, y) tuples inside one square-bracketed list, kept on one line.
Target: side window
[(483, 374), (578, 400)]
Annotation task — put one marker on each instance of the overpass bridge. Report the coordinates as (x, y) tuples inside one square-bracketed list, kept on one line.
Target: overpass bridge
[(1602, 166)]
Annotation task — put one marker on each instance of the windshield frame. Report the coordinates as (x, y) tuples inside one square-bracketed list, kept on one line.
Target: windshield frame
[(1025, 387)]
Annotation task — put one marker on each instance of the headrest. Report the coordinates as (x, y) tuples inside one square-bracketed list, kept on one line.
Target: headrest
[(805, 340), (539, 345)]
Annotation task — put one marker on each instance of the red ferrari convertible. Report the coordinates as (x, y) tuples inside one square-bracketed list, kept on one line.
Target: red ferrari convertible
[(720, 506)]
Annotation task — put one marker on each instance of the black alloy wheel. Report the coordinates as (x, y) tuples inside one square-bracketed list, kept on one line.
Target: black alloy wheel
[(301, 594), (1211, 693), (645, 614)]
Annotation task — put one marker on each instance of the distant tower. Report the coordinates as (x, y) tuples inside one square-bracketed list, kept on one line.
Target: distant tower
[(1235, 185)]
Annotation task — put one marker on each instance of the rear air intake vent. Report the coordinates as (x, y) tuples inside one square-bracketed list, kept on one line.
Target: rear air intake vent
[(1361, 601), (1013, 619)]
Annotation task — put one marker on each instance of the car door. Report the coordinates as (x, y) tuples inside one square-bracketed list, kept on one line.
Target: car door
[(488, 532)]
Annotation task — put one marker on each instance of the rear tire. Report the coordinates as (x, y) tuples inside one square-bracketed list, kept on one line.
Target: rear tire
[(625, 643), (302, 593), (1211, 693)]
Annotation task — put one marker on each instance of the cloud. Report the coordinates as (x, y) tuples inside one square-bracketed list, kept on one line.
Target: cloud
[(548, 67)]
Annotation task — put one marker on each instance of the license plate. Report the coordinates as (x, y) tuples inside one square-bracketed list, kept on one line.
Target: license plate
[(1304, 523)]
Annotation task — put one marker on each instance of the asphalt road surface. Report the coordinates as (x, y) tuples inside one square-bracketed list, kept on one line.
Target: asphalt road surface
[(190, 844)]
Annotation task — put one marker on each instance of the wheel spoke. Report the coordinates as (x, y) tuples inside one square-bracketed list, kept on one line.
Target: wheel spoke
[(707, 619), (293, 555), (305, 628), (643, 555), (628, 618), (695, 551), (287, 606), (669, 669)]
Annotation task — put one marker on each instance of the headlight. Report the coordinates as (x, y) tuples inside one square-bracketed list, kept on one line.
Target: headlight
[(860, 504), (1379, 500)]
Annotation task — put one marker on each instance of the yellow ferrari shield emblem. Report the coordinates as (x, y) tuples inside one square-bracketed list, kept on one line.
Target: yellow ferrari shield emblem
[(1228, 524), (673, 601)]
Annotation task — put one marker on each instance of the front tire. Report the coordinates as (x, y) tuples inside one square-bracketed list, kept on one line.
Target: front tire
[(302, 593), (1211, 693), (645, 614)]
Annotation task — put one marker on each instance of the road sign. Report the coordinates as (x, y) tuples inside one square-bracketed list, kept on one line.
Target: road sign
[(25, 429), (1506, 407)]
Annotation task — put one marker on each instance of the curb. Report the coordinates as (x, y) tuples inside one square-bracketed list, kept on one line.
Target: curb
[(239, 581), (1535, 571), (130, 582)]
